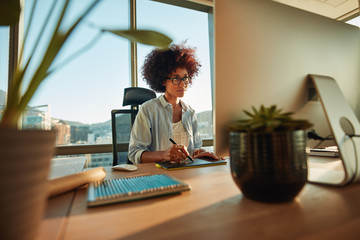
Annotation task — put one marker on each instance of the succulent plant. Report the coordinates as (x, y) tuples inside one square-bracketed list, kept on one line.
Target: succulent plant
[(268, 119)]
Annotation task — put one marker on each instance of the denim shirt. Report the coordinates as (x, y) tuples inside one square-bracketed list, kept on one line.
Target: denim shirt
[(152, 128)]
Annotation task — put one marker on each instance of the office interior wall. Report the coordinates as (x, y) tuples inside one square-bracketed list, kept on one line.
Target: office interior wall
[(263, 53)]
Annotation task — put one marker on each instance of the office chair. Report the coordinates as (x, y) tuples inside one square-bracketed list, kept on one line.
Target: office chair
[(133, 96)]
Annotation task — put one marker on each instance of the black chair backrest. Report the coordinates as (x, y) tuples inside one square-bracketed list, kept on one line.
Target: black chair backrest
[(133, 96), (137, 96)]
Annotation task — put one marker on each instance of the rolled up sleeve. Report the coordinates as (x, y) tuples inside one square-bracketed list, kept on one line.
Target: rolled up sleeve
[(140, 138), (196, 134)]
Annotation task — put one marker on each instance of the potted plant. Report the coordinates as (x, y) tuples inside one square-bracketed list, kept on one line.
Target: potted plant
[(25, 154), (268, 159)]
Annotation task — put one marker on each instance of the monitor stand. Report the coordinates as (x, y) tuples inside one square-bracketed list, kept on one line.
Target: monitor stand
[(343, 170)]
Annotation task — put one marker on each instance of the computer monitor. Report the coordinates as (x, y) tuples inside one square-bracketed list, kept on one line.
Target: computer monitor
[(265, 50), (264, 53)]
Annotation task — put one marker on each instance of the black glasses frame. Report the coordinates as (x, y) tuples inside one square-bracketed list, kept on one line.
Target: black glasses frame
[(185, 80)]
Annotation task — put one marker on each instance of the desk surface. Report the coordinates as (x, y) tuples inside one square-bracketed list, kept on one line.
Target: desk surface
[(214, 208), (58, 208)]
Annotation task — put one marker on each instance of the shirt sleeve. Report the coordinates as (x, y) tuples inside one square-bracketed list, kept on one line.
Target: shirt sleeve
[(196, 134), (140, 137)]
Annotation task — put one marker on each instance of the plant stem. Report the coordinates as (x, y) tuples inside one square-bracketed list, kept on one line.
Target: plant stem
[(75, 54)]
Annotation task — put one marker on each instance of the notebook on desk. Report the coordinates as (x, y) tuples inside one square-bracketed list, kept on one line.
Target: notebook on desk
[(197, 163), (133, 188)]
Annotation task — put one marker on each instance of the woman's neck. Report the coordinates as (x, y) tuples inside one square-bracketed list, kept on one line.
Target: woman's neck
[(174, 101)]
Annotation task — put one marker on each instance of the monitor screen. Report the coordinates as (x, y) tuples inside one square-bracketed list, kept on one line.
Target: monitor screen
[(265, 50)]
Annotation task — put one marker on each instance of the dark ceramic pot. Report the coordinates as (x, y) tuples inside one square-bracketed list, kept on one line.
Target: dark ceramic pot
[(269, 167)]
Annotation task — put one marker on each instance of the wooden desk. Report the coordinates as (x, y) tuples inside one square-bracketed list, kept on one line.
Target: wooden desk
[(58, 208), (215, 209)]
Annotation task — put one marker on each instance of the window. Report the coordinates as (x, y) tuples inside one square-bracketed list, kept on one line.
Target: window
[(355, 21), (4, 65)]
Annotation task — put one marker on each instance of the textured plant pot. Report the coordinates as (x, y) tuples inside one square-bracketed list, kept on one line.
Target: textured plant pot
[(24, 167), (269, 167)]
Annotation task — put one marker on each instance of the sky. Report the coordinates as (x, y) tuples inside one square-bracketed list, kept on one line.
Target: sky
[(90, 86), (4, 57)]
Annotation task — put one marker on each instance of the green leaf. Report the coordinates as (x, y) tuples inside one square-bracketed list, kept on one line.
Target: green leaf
[(147, 37), (9, 12), (254, 110), (249, 114), (262, 109), (272, 110)]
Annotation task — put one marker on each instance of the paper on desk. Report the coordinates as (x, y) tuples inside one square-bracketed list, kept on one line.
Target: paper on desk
[(70, 182)]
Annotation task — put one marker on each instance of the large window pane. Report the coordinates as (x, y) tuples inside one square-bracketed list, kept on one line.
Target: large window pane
[(78, 98), (182, 24), (4, 65), (354, 21)]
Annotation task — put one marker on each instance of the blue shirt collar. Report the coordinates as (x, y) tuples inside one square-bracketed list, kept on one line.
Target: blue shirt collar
[(164, 103)]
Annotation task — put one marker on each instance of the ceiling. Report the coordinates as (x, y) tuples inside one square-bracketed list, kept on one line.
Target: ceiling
[(336, 9)]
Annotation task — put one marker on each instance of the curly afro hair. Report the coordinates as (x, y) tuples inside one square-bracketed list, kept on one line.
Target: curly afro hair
[(160, 64)]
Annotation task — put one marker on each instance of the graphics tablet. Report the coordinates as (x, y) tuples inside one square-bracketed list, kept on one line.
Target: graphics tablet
[(197, 163)]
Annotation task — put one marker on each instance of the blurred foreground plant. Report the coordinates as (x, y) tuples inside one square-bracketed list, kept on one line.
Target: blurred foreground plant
[(10, 11)]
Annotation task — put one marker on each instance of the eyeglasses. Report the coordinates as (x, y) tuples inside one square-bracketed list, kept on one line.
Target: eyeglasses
[(177, 80)]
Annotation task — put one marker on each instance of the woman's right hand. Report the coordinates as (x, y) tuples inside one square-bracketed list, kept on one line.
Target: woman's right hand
[(175, 153)]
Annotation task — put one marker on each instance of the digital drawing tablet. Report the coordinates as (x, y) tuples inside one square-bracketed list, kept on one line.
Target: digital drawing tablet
[(197, 163)]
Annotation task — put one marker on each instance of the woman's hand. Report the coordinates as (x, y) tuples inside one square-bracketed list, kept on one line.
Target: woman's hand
[(201, 153), (175, 153)]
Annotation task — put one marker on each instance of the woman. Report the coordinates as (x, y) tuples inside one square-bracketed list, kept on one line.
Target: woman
[(170, 72)]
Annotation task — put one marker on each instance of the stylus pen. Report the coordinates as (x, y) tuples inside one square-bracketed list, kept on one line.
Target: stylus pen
[(186, 155)]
